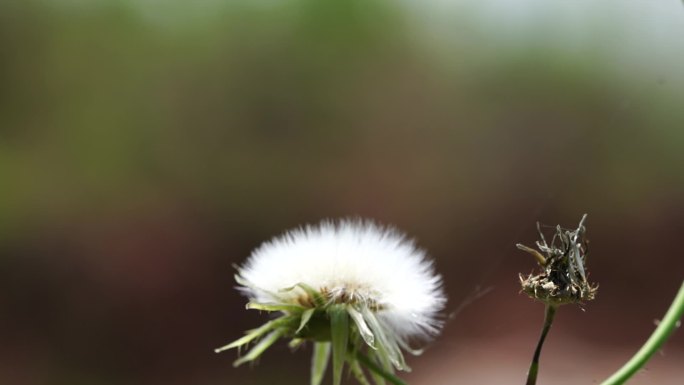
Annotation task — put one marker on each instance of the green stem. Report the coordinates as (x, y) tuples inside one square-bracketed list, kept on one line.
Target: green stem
[(667, 325), (534, 366), (365, 361)]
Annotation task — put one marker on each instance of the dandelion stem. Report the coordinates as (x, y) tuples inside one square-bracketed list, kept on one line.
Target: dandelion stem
[(534, 366), (666, 326), (368, 363)]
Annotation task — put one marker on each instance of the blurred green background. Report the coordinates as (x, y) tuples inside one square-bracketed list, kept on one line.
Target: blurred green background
[(146, 146)]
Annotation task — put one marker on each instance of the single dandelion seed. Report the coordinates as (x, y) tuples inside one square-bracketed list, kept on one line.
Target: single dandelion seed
[(562, 279), (359, 292)]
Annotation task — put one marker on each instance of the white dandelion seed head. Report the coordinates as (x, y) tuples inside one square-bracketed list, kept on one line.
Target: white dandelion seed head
[(351, 261)]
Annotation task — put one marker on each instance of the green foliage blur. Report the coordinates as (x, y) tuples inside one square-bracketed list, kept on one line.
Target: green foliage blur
[(146, 146)]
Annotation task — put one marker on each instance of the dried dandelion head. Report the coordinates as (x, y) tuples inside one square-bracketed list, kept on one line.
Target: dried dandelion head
[(353, 288), (563, 276)]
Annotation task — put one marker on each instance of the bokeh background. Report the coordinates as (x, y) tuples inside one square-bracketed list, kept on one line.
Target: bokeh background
[(147, 146)]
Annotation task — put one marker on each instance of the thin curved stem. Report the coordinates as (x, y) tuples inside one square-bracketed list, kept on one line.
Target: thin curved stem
[(534, 366), (667, 325)]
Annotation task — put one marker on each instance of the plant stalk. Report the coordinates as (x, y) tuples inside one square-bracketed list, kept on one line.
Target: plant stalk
[(549, 314), (666, 326)]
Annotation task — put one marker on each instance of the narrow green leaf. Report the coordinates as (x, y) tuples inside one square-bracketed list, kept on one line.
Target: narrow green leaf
[(319, 363), (259, 348), (365, 332), (306, 316), (404, 345), (295, 343), (381, 358), (358, 371), (251, 335), (377, 371), (378, 379), (274, 307), (339, 331), (255, 333), (388, 347)]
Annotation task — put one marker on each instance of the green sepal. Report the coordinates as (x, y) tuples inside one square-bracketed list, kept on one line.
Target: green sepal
[(295, 343), (357, 371), (379, 375), (339, 332), (362, 327), (306, 316), (259, 348), (256, 333), (372, 357), (319, 362), (388, 347), (274, 307)]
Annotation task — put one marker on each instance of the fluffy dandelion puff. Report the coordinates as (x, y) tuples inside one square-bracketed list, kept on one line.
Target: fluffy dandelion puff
[(359, 289)]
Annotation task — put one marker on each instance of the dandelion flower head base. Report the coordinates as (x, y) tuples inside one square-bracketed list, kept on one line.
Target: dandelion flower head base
[(352, 287), (563, 278)]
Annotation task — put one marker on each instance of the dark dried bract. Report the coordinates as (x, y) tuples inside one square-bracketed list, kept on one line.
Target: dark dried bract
[(563, 278)]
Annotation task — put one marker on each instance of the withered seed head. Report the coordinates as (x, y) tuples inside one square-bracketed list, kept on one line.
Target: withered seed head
[(563, 276)]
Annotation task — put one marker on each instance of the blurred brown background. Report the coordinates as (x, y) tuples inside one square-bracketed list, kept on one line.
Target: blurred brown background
[(146, 146)]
